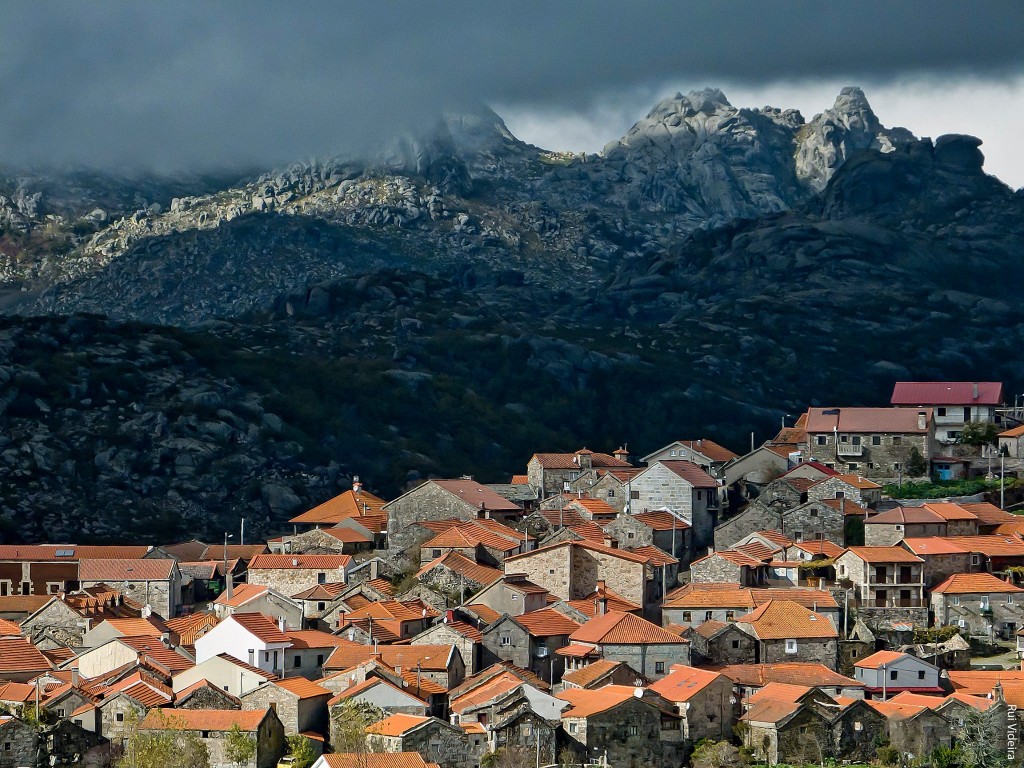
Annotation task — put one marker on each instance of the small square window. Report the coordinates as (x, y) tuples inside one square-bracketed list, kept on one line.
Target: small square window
[(876, 439), (119, 717), (735, 643), (920, 674), (791, 646), (611, 493), (822, 439), (893, 674), (634, 730), (897, 440), (659, 667), (506, 640), (687, 616), (708, 615), (321, 578), (634, 495)]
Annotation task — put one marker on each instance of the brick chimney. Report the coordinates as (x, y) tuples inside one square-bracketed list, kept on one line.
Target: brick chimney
[(922, 420), (449, 616)]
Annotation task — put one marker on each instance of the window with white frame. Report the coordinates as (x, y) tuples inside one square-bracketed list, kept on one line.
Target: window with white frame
[(791, 646)]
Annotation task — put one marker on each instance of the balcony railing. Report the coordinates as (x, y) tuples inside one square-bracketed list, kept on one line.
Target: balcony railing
[(851, 449)]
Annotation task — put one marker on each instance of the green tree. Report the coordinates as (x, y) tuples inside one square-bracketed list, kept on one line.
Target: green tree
[(239, 746), (164, 747), (982, 741), (302, 750), (979, 433), (916, 464), (509, 757), (716, 754), (349, 720)]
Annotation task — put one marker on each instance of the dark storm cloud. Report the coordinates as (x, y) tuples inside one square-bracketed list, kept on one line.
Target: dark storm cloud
[(204, 84)]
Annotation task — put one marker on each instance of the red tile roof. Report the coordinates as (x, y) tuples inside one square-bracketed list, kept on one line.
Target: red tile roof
[(709, 448), (906, 516), (247, 667), (463, 566), (921, 393), (595, 506), (878, 658), (18, 655), (290, 562), (884, 555), (796, 673), (263, 627), (683, 682), (547, 622), (588, 605), (586, 702), (204, 720), (820, 547), (9, 628), (571, 460), (347, 504), (770, 711), (396, 724), (594, 672), (883, 420), (618, 628), (303, 688), (950, 511), (784, 619), (661, 521), (376, 760), (480, 496), (125, 570), (501, 683), (779, 692), (326, 591), (981, 682), (992, 546), (69, 552), (432, 658), (933, 545), (241, 594), (655, 555), (487, 614), (846, 506), (974, 584)]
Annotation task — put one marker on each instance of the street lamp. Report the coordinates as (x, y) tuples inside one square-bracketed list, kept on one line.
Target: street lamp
[(226, 537)]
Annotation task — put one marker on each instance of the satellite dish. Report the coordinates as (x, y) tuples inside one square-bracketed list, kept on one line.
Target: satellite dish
[(638, 692)]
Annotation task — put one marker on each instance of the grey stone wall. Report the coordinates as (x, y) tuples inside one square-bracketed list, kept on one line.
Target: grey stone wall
[(756, 517), (516, 648), (808, 651), (285, 703), (209, 698), (162, 596), (17, 744), (876, 462), (630, 734), (733, 646), (427, 502), (652, 660), (716, 570), (814, 520)]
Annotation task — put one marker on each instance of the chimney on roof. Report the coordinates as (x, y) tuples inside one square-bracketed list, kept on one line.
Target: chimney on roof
[(357, 487), (922, 420), (449, 616), (622, 454), (230, 586), (74, 676), (280, 623), (374, 568), (975, 391)]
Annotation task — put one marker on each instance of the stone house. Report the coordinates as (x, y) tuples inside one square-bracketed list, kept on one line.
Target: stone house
[(231, 675), (995, 552), (212, 726), (19, 742), (979, 603), (347, 539), (439, 665), (693, 604), (854, 488), (571, 570), (754, 470), (887, 673), (300, 704), (65, 618), (512, 712), (786, 732), (530, 641), (954, 403), (717, 643), (554, 473), (443, 500), (748, 679), (665, 530), (913, 730), (622, 727), (257, 598), (820, 520), (871, 442), (378, 692), (437, 741), (610, 485), (156, 583), (706, 454), (127, 703), (889, 528), (854, 731), (483, 541), (787, 632), (941, 558), (290, 574), (512, 593), (683, 488), (453, 573), (888, 583), (601, 672), (203, 694), (463, 635), (704, 700), (729, 566), (645, 647)]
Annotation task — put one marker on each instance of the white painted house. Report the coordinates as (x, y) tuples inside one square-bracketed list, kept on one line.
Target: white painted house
[(224, 671), (886, 673), (250, 637)]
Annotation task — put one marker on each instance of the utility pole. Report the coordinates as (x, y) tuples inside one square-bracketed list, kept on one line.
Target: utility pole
[(1002, 481), (241, 535)]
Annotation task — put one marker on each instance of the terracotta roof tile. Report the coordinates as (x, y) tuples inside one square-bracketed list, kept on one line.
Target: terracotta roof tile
[(241, 594), (991, 546), (125, 570), (820, 547), (396, 724), (796, 673), (594, 672), (586, 702), (655, 555), (462, 565), (347, 504), (783, 619), (921, 393), (618, 628), (709, 448), (770, 711), (588, 605), (480, 496), (303, 688), (683, 682), (594, 507), (905, 516), (433, 658), (19, 655), (547, 622), (376, 760), (989, 514), (979, 682), (303, 562), (302, 639), (588, 545), (862, 420), (884, 555), (589, 531), (204, 720), (9, 628), (974, 584), (570, 460), (247, 667), (661, 521), (566, 516), (263, 627), (326, 591), (481, 694), (779, 692), (487, 614)]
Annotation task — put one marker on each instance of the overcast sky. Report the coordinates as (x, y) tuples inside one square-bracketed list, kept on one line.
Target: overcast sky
[(196, 85)]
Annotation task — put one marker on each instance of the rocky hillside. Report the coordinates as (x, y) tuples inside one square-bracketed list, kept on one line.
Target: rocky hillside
[(466, 299)]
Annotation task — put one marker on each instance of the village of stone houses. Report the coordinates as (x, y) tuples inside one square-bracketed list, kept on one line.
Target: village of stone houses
[(801, 603)]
